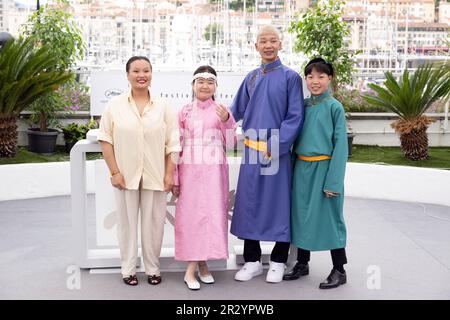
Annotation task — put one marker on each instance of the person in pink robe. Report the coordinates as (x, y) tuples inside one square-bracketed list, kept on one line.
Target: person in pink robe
[(201, 179)]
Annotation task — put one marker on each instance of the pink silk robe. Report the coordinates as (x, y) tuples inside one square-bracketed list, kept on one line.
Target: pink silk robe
[(201, 224)]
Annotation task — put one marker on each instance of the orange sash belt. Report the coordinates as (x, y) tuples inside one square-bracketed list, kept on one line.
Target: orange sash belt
[(313, 158), (257, 145)]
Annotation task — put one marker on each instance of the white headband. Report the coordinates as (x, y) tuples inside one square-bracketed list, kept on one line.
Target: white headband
[(204, 75)]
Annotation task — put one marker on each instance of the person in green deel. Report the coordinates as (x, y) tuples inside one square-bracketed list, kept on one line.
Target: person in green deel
[(321, 151)]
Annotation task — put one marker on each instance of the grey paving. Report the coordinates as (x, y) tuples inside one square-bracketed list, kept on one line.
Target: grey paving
[(407, 244)]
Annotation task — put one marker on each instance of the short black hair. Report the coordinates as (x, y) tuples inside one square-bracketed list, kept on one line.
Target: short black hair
[(201, 69), (320, 65), (133, 59)]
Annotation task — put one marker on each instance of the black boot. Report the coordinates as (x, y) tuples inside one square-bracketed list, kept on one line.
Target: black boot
[(296, 272), (335, 279)]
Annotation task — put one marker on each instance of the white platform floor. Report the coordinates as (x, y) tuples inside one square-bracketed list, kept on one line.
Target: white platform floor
[(396, 250)]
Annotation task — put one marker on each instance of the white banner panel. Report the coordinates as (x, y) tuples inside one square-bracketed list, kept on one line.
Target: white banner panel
[(104, 86), (174, 86)]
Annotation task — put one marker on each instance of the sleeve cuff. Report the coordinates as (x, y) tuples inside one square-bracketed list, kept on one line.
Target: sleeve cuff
[(173, 149), (230, 123), (328, 190), (104, 137)]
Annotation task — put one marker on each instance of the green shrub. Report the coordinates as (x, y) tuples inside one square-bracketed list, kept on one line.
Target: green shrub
[(74, 131)]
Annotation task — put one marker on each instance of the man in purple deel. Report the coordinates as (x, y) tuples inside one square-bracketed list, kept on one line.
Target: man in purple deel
[(270, 104)]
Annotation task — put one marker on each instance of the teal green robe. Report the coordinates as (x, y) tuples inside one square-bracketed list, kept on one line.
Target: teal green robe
[(317, 222)]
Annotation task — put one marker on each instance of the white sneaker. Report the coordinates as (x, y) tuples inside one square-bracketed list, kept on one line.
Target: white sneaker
[(276, 272), (249, 270)]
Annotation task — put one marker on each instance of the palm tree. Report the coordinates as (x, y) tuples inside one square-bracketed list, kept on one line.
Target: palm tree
[(409, 98), (23, 79)]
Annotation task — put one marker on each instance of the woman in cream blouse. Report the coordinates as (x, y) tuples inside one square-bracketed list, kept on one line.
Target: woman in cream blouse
[(139, 136)]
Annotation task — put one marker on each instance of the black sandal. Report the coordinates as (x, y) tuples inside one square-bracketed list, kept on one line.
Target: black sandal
[(154, 280), (131, 280)]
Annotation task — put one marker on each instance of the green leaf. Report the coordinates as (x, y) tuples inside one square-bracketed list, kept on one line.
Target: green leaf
[(321, 32), (24, 76), (412, 94)]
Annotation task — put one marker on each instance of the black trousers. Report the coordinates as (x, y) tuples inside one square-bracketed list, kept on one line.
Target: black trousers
[(338, 256), (252, 251)]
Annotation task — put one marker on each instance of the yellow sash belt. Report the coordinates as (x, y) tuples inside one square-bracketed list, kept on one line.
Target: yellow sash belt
[(313, 158), (257, 145)]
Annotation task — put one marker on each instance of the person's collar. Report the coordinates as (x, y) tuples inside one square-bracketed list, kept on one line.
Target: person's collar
[(130, 96), (271, 65), (320, 98), (203, 104)]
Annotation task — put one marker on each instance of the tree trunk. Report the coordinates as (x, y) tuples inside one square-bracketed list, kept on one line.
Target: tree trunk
[(8, 137), (415, 144), (43, 122)]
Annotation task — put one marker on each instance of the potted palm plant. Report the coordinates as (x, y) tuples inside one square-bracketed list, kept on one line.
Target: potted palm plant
[(25, 76), (409, 97)]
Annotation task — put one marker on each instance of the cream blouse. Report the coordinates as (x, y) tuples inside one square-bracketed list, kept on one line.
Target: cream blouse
[(140, 142)]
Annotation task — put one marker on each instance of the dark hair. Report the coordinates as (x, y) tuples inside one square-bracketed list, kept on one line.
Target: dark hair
[(133, 59), (320, 65), (204, 69)]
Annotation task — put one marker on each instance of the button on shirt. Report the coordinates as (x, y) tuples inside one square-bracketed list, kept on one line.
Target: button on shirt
[(140, 142)]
